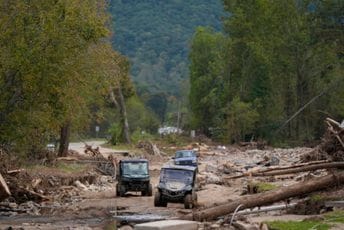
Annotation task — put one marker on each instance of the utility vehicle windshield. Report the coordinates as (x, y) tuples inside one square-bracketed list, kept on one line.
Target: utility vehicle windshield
[(185, 153), (135, 169), (184, 176)]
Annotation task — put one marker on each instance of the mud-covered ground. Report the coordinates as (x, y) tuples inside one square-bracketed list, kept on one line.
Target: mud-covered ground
[(92, 203)]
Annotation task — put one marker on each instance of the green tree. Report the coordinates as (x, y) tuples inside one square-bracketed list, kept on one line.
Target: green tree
[(278, 60), (241, 120), (207, 81), (47, 49)]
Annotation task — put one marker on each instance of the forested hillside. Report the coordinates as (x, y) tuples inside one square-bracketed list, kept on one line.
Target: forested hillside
[(156, 35), (275, 73)]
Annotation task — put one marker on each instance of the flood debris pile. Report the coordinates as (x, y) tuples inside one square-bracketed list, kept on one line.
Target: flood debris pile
[(290, 176), (332, 146), (46, 190), (150, 148)]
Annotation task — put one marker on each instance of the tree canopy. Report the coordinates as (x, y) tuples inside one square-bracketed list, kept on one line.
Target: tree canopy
[(275, 58), (55, 63)]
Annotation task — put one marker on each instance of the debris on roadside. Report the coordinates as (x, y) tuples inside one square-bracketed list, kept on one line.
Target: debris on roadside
[(150, 148)]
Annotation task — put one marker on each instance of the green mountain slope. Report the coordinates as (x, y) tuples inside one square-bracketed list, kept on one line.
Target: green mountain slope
[(156, 34)]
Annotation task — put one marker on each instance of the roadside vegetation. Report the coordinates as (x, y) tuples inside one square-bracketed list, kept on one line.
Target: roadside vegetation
[(330, 219)]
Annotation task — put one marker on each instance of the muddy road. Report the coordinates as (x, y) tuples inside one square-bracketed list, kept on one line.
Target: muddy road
[(92, 204)]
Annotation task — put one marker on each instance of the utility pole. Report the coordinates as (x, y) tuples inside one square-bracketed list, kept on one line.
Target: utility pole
[(178, 117)]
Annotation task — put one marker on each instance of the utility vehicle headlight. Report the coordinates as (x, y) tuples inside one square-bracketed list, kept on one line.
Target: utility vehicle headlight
[(162, 185), (188, 187)]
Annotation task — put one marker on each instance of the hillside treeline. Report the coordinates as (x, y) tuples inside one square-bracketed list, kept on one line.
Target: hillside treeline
[(274, 74), (155, 35)]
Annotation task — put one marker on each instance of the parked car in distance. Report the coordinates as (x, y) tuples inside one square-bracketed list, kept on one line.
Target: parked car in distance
[(133, 175), (185, 157), (177, 184)]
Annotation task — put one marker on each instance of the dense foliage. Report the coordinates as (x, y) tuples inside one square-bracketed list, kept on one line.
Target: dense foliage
[(275, 73), (155, 35), (55, 65)]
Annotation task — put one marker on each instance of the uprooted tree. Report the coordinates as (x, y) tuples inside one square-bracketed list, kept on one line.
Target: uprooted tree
[(332, 145)]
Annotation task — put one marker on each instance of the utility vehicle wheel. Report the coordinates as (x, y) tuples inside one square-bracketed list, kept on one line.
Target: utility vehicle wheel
[(158, 200), (117, 190), (122, 190), (188, 202)]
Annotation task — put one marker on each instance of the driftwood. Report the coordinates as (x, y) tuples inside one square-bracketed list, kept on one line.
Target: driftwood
[(266, 209), (333, 131), (14, 172), (92, 151), (4, 190), (273, 168), (337, 203), (22, 194), (268, 197), (292, 169)]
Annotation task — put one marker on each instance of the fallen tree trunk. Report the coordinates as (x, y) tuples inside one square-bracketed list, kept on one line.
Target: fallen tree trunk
[(293, 170), (274, 168), (268, 197), (302, 169), (4, 190)]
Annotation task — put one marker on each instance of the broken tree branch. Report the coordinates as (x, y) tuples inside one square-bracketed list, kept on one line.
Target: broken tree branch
[(268, 197), (4, 190), (333, 122)]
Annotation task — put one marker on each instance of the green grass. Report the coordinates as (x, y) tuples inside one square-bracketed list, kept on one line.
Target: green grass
[(71, 168), (335, 216), (297, 225), (60, 166), (263, 187), (317, 197), (331, 217)]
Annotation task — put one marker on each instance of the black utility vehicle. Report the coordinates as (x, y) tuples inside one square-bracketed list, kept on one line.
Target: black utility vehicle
[(176, 185), (185, 157), (133, 176)]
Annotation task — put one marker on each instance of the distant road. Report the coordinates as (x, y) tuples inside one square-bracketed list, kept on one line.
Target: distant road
[(80, 147)]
